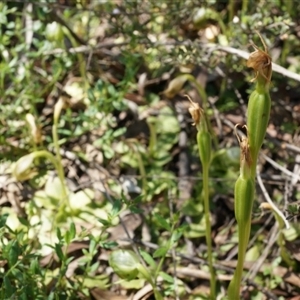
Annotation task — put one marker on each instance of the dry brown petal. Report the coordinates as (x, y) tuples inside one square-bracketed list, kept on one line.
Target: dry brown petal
[(260, 61), (245, 148), (196, 111)]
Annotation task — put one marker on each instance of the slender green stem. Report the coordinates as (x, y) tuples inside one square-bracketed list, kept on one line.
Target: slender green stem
[(244, 7), (170, 245), (205, 174), (202, 93), (243, 198), (80, 57), (204, 147), (153, 136), (204, 142), (59, 167), (231, 6), (141, 169), (148, 277), (243, 235), (46, 154)]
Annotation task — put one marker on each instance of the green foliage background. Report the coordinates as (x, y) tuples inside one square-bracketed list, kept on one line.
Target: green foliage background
[(116, 65)]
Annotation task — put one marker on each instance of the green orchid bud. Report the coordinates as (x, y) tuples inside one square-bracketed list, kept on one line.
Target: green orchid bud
[(60, 104), (23, 168), (54, 32), (125, 263), (34, 129)]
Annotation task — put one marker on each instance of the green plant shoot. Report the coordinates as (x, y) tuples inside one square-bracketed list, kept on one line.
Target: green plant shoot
[(258, 117), (204, 148)]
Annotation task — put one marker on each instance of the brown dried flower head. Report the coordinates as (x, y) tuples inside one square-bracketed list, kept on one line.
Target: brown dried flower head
[(196, 111), (260, 61), (245, 156)]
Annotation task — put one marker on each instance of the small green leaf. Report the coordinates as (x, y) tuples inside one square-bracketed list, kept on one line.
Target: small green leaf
[(166, 277), (17, 274), (24, 222), (94, 267), (160, 252), (8, 288), (92, 247), (117, 205), (34, 266), (162, 222), (72, 230), (108, 244), (59, 252), (148, 259), (13, 253), (3, 219), (103, 222), (69, 260), (119, 132), (70, 235), (176, 236), (58, 234), (135, 210)]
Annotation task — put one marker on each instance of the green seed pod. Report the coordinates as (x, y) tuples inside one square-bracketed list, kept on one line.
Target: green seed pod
[(125, 263), (244, 186), (204, 145), (54, 32), (244, 196), (259, 107)]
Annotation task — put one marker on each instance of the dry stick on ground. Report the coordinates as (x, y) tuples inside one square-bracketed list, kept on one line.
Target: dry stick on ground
[(276, 68), (269, 200), (258, 264), (278, 167), (284, 145)]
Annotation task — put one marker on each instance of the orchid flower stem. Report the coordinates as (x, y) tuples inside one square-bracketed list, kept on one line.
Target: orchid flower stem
[(208, 232), (258, 114), (204, 146), (204, 143), (59, 167)]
